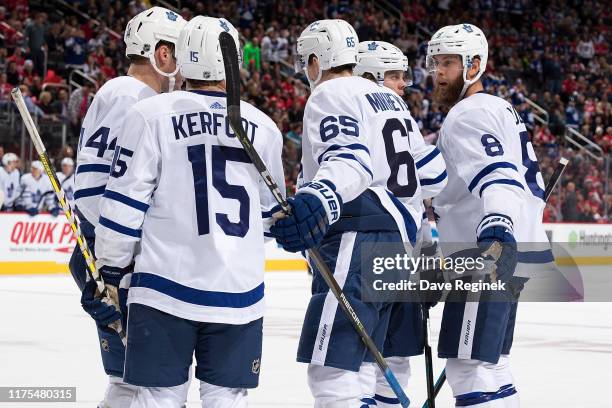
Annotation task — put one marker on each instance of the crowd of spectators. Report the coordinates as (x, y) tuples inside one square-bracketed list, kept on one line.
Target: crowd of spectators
[(556, 53)]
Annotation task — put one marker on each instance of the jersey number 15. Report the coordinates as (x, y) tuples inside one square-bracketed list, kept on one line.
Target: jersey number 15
[(220, 155)]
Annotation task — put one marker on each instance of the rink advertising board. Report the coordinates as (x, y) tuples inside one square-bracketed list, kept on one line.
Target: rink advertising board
[(40, 244), (43, 244)]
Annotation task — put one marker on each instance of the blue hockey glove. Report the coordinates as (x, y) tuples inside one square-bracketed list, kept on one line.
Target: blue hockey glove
[(496, 241), (32, 211), (102, 312), (312, 208)]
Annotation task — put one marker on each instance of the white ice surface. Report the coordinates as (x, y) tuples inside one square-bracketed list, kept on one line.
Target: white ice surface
[(561, 357)]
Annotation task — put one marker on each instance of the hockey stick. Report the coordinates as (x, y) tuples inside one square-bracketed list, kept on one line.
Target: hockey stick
[(554, 179), (73, 219), (232, 78), (431, 396)]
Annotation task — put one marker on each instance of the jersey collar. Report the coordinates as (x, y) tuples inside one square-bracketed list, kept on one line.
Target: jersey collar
[(208, 93)]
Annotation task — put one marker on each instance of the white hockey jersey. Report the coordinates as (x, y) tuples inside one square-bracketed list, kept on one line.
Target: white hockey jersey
[(101, 126), (67, 184), (360, 135), (9, 183), (186, 201), (37, 193), (492, 169)]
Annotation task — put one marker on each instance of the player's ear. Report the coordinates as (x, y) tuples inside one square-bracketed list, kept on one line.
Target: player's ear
[(475, 68)]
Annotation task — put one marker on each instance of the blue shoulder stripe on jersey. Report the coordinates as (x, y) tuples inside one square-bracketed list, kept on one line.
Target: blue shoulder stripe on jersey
[(93, 168), (335, 147), (411, 228), (138, 205), (122, 229), (197, 296), (474, 398), (429, 182), (209, 93), (536, 257), (386, 400), (509, 182), (351, 157), (89, 192), (488, 170), (432, 155)]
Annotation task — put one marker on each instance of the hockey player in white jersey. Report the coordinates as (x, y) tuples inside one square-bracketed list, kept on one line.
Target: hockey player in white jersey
[(150, 39), (184, 199), (494, 196), (360, 178), (9, 181), (66, 179), (36, 191), (386, 65)]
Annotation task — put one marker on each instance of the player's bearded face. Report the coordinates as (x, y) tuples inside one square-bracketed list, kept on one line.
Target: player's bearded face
[(448, 80)]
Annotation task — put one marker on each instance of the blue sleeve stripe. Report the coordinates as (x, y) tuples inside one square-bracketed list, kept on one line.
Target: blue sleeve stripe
[(353, 146), (429, 182), (266, 214), (93, 168), (352, 157), (386, 400), (488, 170), (475, 398), (112, 225), (113, 195), (269, 235), (89, 192), (428, 158), (197, 296), (509, 182)]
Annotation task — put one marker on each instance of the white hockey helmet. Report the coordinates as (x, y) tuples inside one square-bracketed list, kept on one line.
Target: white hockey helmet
[(8, 158), (334, 42), (37, 164), (149, 27), (378, 57), (199, 52), (465, 40)]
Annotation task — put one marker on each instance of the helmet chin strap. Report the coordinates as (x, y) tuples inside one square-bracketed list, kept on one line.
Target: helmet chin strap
[(314, 83), (466, 84), (171, 76)]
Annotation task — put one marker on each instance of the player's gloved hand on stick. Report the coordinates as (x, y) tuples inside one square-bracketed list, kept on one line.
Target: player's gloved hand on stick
[(32, 211), (496, 241), (312, 208), (102, 311), (55, 211)]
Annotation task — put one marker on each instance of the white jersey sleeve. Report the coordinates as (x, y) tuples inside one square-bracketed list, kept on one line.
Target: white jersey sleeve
[(270, 157), (430, 165), (480, 152), (133, 177), (338, 140)]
